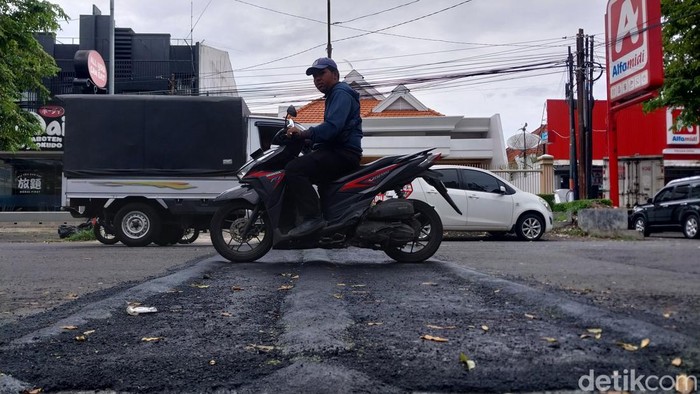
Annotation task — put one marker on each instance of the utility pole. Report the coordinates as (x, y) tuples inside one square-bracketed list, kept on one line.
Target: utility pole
[(573, 173), (589, 123), (110, 76), (329, 48), (524, 147), (580, 109)]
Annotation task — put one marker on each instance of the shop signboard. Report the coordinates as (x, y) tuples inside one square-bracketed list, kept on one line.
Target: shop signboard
[(633, 40), (28, 182), (52, 120), (682, 136)]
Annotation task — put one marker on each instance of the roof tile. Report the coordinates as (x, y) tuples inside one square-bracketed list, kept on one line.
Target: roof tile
[(312, 113)]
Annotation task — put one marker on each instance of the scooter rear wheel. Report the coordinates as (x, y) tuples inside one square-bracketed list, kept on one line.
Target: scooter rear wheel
[(226, 232), (428, 239)]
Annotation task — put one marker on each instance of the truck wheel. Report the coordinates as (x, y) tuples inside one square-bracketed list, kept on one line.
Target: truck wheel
[(137, 224)]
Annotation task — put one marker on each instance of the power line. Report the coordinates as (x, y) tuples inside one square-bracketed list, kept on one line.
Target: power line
[(355, 36), (376, 13)]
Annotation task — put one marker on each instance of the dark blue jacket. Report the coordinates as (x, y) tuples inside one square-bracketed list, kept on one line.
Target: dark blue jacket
[(342, 125)]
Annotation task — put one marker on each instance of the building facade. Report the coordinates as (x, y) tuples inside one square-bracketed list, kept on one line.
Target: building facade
[(399, 123), (650, 153), (30, 180)]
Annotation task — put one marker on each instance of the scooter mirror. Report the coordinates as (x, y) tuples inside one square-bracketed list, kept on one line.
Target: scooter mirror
[(291, 111)]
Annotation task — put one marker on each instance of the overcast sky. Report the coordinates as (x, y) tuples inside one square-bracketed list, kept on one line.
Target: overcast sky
[(429, 45)]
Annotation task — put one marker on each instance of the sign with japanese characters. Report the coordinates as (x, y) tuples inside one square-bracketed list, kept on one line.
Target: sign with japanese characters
[(28, 183), (633, 40)]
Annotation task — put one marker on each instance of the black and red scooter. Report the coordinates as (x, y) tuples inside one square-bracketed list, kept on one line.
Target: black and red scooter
[(255, 216)]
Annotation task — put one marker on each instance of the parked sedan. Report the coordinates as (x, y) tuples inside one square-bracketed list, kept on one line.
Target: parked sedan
[(676, 207), (488, 203)]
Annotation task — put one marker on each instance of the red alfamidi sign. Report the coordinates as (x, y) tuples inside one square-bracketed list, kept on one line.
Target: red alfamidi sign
[(689, 135), (635, 58)]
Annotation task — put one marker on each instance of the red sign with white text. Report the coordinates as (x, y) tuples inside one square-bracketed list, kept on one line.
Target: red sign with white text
[(97, 69), (682, 136), (635, 57)]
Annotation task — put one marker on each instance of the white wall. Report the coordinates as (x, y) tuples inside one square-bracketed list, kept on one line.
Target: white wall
[(215, 73)]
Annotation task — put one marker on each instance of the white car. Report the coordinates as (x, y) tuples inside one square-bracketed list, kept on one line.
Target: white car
[(488, 203)]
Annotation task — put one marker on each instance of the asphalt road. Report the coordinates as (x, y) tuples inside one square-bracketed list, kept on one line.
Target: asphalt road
[(347, 320)]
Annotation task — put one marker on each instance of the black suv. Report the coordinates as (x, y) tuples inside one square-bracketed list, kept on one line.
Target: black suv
[(675, 207)]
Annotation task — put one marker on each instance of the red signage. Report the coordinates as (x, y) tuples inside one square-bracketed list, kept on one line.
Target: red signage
[(682, 136), (89, 64), (635, 57), (51, 111), (97, 69)]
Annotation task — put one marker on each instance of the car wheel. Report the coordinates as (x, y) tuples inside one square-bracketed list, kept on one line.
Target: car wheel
[(530, 227), (690, 226), (640, 224)]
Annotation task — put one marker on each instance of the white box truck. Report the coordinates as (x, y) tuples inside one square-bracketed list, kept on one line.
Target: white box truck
[(149, 166)]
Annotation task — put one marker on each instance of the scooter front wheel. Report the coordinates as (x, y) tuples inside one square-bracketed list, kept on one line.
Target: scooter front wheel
[(234, 238), (427, 240)]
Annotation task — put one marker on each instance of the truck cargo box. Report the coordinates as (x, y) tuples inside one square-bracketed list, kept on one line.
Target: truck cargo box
[(146, 136)]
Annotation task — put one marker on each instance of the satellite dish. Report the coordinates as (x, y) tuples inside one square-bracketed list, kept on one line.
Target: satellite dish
[(522, 141)]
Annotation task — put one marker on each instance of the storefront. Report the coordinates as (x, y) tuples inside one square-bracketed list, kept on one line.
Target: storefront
[(30, 180)]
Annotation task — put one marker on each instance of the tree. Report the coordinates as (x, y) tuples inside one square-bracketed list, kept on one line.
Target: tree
[(681, 40), (23, 64)]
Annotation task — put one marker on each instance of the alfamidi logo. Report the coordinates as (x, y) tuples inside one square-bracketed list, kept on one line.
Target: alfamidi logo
[(631, 381), (628, 49)]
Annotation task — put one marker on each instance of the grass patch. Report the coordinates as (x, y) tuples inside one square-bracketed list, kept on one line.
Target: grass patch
[(83, 235), (575, 206)]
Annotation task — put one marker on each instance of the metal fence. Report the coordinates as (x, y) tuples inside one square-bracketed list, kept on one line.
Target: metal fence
[(529, 180), (525, 180)]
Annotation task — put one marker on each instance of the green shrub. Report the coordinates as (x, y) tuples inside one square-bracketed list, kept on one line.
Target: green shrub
[(575, 206), (549, 198)]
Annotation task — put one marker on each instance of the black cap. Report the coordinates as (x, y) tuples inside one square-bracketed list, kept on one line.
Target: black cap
[(320, 64)]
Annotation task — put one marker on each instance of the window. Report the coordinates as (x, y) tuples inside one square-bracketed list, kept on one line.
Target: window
[(680, 192), (664, 195), (695, 191), (450, 178), (481, 182)]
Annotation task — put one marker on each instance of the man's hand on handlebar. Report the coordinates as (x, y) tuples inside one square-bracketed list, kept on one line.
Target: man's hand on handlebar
[(296, 132)]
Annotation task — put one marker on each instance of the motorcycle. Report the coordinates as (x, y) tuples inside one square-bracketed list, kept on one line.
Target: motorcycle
[(255, 216)]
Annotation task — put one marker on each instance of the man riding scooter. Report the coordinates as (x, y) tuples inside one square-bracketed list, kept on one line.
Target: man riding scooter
[(336, 145)]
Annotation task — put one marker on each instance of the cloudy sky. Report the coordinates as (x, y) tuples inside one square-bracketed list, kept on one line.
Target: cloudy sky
[(442, 50)]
